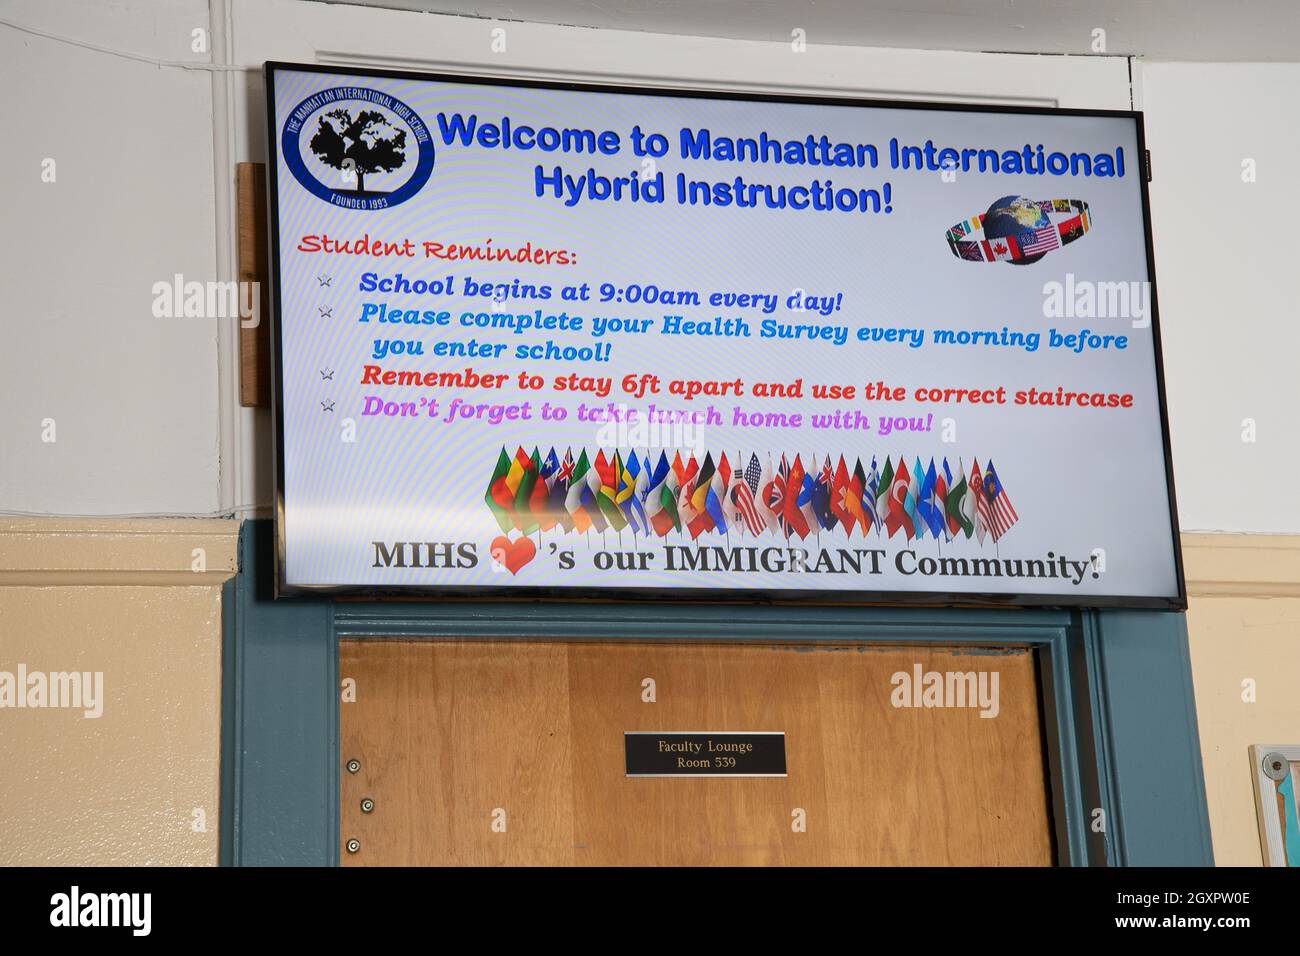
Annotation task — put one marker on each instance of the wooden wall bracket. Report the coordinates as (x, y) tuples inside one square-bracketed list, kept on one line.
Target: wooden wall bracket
[(254, 266)]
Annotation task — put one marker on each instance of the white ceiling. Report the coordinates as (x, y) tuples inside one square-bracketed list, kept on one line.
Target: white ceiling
[(1211, 30)]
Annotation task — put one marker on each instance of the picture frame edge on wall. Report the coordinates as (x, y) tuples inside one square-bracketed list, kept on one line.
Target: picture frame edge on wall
[(1272, 839)]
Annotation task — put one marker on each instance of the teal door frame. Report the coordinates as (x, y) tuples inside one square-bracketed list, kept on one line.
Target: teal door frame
[(1118, 710)]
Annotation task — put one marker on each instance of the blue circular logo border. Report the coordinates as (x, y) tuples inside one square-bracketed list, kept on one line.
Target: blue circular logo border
[(292, 151)]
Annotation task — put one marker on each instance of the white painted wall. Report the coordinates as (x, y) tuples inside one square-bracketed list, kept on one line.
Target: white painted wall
[(133, 398), (1226, 268), (146, 409)]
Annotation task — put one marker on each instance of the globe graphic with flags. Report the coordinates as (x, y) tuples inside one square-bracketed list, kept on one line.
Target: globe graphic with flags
[(1013, 216)]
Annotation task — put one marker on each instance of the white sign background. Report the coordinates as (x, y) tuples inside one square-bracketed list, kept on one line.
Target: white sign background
[(1080, 479)]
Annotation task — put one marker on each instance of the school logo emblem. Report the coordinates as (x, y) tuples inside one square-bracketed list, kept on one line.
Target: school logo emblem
[(357, 148)]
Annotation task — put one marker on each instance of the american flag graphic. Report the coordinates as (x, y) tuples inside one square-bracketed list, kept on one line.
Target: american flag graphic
[(1039, 241), (742, 496)]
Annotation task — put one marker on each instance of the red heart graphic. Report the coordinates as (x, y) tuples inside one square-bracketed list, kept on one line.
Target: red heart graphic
[(513, 554)]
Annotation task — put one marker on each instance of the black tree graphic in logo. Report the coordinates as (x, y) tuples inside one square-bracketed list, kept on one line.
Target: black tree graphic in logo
[(367, 144)]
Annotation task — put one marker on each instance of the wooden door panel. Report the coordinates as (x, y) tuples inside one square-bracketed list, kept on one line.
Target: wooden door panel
[(450, 733)]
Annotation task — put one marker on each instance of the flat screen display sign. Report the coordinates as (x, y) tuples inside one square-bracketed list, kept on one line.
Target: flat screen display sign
[(547, 339)]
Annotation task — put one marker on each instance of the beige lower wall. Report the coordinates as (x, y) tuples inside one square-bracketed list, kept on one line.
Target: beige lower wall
[(140, 602), (1243, 623)]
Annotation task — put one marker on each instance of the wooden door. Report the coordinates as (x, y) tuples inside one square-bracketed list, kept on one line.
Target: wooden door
[(491, 753)]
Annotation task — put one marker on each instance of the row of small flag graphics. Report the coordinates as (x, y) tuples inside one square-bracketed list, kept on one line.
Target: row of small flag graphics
[(625, 491)]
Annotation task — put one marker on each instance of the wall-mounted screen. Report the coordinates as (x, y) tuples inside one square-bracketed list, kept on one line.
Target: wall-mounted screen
[(547, 339)]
